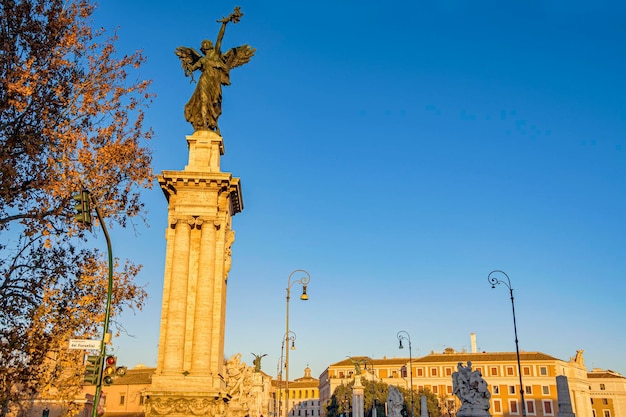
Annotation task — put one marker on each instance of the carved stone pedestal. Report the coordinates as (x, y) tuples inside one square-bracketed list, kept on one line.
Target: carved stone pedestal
[(174, 404)]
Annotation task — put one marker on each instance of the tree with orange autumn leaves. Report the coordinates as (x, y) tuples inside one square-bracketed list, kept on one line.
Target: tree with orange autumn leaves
[(70, 118)]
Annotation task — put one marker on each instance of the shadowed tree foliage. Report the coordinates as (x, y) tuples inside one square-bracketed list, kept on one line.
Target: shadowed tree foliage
[(340, 403), (69, 118)]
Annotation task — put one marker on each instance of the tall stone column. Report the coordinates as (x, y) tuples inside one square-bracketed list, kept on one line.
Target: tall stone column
[(358, 397), (189, 379)]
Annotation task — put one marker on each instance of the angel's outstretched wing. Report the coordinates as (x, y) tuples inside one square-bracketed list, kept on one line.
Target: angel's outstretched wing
[(238, 56), (188, 57)]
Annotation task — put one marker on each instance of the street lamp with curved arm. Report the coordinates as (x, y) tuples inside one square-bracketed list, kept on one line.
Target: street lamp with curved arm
[(304, 281), (495, 281), (403, 335)]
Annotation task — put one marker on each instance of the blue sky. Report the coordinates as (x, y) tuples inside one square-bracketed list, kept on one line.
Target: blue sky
[(399, 152)]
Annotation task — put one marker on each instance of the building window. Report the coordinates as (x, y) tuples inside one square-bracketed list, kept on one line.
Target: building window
[(513, 407), (435, 389), (141, 400), (605, 401), (528, 389), (420, 372), (433, 371), (449, 389), (530, 407), (602, 387), (511, 389), (497, 407), (594, 413), (509, 370), (494, 371), (448, 371), (543, 371), (545, 390), (607, 413), (526, 370), (547, 408), (495, 389), (122, 399)]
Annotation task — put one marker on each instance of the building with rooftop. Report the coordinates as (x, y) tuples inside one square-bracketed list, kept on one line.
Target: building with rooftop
[(597, 393)]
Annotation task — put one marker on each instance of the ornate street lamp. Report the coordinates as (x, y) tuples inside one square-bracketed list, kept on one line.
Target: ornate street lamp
[(304, 281), (495, 281), (403, 335)]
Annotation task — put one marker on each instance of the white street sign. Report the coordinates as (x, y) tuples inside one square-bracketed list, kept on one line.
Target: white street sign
[(85, 344)]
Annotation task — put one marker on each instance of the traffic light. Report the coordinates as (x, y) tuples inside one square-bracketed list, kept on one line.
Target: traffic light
[(93, 369), (83, 207), (110, 366)]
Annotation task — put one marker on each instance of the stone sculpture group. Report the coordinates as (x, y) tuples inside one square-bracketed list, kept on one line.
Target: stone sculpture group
[(471, 389)]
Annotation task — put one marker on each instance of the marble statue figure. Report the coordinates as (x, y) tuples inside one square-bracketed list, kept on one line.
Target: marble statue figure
[(395, 401)]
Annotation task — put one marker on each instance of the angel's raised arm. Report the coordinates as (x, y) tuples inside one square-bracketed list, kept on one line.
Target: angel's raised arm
[(220, 36), (234, 17)]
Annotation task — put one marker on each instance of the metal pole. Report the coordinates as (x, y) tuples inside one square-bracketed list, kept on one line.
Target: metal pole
[(403, 335), (302, 281), (287, 351), (107, 314), (495, 281)]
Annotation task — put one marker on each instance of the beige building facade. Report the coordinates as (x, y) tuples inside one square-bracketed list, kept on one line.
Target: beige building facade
[(302, 400), (594, 394), (607, 392)]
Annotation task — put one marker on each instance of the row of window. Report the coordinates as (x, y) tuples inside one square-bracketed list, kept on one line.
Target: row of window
[(298, 394), (303, 409), (528, 389), (605, 401), (305, 404), (495, 389), (123, 399), (448, 371), (531, 409)]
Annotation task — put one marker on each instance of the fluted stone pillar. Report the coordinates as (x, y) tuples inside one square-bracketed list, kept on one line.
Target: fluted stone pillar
[(358, 397), (201, 202)]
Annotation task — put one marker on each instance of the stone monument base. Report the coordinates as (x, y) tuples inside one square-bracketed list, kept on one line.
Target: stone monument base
[(179, 404), (473, 412)]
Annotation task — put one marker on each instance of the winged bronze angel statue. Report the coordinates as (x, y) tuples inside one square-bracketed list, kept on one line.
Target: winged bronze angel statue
[(205, 105)]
